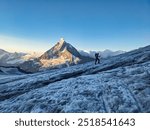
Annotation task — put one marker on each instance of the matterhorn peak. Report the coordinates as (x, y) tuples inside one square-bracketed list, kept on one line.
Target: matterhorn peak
[(61, 40)]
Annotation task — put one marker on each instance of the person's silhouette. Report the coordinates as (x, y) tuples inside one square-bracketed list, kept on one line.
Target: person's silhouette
[(97, 60)]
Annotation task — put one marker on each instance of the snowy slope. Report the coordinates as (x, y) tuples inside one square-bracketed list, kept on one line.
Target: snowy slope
[(10, 70), (118, 84)]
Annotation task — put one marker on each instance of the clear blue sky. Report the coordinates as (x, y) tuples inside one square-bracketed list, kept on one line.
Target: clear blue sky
[(87, 24)]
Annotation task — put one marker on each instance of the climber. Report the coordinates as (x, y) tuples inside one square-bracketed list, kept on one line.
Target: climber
[(97, 58)]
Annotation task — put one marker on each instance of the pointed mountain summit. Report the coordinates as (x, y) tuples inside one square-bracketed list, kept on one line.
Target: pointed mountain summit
[(62, 48), (62, 53)]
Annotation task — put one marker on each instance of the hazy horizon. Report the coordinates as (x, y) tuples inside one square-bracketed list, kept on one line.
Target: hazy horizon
[(44, 48), (36, 26)]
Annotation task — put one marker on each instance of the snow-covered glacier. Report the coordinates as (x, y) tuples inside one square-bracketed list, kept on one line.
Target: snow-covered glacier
[(118, 84)]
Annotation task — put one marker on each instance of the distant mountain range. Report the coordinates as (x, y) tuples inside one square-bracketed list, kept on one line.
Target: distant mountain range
[(62, 54), (7, 58), (104, 54), (14, 59)]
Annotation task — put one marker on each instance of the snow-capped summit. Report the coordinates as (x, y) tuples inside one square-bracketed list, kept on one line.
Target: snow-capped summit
[(62, 48), (61, 40), (60, 54)]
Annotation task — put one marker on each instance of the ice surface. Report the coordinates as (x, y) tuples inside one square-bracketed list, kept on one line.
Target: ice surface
[(117, 84)]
